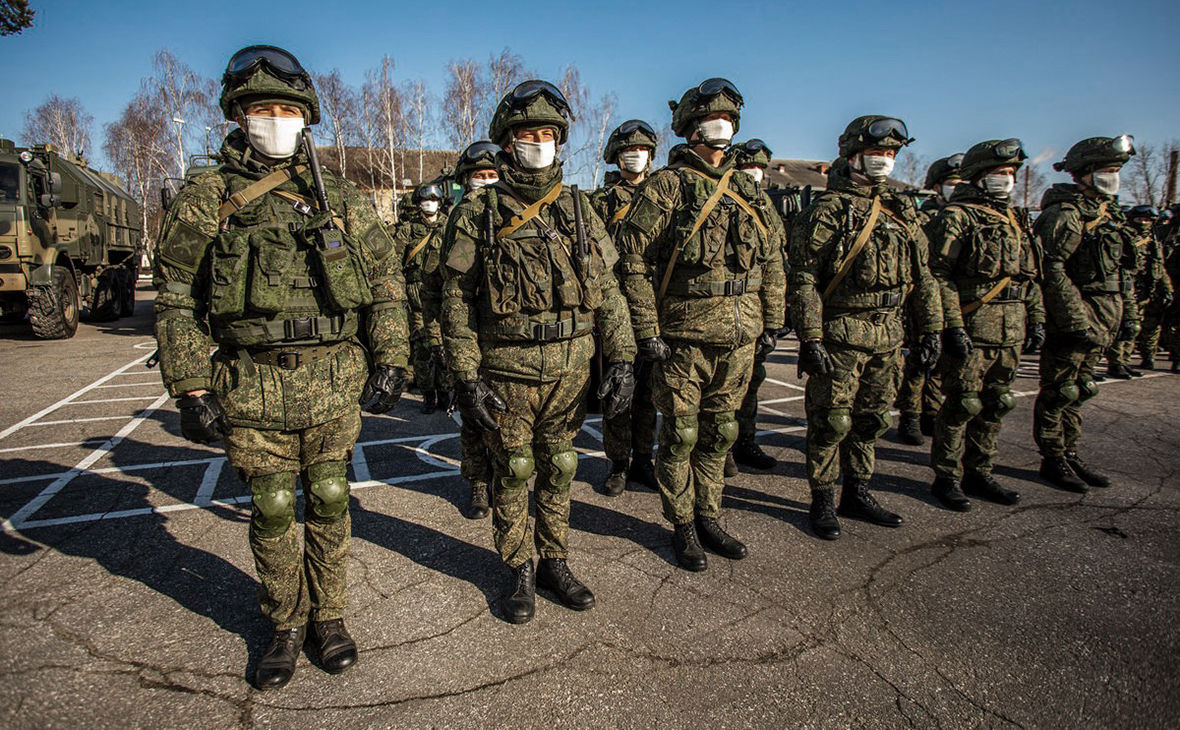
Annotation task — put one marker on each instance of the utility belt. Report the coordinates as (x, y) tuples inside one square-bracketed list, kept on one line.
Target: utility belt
[(291, 358), (703, 287), (863, 301), (1011, 292), (258, 331), (523, 328), (1101, 288)]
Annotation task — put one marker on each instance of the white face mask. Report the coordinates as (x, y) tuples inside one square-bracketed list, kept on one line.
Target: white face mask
[(428, 207), (876, 167), (716, 132), (534, 155), (275, 137), (477, 183), (633, 161), (754, 172), (1106, 183), (998, 185), (947, 190)]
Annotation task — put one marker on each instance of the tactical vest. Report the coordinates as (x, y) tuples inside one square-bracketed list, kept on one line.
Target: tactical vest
[(271, 284), (539, 286), (882, 271), (996, 247), (1095, 267)]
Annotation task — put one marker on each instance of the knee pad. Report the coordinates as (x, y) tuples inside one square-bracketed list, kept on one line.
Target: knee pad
[(684, 434), (327, 491), (1087, 389), (832, 426), (725, 431), (961, 408), (520, 468), (870, 426), (1062, 394), (273, 500), (1000, 400), (564, 461)]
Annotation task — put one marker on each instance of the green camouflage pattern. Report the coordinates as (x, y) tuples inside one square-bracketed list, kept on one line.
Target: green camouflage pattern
[(986, 374), (1067, 375), (423, 293), (747, 413), (614, 196), (476, 466)]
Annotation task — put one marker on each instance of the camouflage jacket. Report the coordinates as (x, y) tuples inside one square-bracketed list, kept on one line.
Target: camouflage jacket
[(423, 239), (863, 310), (1087, 248), (613, 200), (979, 243), (1153, 280), (192, 236), (522, 302), (726, 284)]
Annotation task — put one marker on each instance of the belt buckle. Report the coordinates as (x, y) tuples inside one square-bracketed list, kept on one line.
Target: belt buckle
[(301, 207), (541, 332), (302, 328), (289, 360), (878, 317)]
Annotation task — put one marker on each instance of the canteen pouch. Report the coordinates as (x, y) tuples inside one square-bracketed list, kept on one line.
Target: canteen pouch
[(338, 259), (227, 276)]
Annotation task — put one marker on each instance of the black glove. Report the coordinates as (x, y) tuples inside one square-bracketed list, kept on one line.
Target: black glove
[(438, 358), (929, 350), (201, 419), (383, 389), (653, 349), (616, 389), (767, 341), (1127, 331), (1076, 338), (957, 342), (1034, 337), (474, 398), (786, 328), (813, 358)]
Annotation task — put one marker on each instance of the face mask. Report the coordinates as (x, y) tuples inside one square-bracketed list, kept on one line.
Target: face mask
[(633, 161), (876, 167), (716, 132), (999, 186), (946, 191), (534, 155), (275, 137), (429, 207), (1106, 183), (477, 183), (754, 172)]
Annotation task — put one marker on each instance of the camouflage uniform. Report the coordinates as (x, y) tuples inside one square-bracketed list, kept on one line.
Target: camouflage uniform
[(1154, 291), (1170, 337), (422, 238)]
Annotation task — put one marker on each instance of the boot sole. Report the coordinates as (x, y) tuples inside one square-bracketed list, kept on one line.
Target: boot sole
[(271, 687)]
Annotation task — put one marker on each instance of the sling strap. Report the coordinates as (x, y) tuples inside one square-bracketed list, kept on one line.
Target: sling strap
[(618, 216), (990, 295), (306, 205), (1098, 219), (421, 245), (256, 190), (529, 213), (1142, 242), (710, 204), (739, 200), (857, 246), (1010, 218)]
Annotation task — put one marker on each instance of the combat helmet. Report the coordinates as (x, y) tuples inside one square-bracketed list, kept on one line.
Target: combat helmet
[(477, 156), (752, 153), (532, 103), (427, 191), (259, 74), (873, 130), (711, 96), (942, 169), (631, 133), (991, 154), (1096, 152)]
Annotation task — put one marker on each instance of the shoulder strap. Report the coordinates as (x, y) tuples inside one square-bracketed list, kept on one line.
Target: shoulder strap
[(991, 294), (710, 204), (256, 190), (529, 213), (420, 245), (1010, 218), (857, 246), (739, 200), (618, 216), (1099, 219)]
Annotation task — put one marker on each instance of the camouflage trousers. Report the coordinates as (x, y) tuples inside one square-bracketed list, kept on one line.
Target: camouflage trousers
[(1151, 328), (1067, 381), (978, 396), (747, 414), (697, 390), (536, 435), (1120, 353), (847, 411), (633, 433), (304, 575), (426, 375), (476, 466), (920, 393)]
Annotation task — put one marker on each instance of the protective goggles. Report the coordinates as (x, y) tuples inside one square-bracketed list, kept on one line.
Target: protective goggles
[(1143, 211), (955, 161), (430, 192), (524, 94), (479, 152), (712, 87), (1010, 148), (754, 146), (889, 127), (633, 125), (277, 62), (1124, 144)]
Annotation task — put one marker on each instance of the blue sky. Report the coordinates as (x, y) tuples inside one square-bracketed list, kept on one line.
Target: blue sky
[(957, 72)]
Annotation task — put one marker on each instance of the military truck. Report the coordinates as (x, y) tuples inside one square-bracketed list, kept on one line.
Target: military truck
[(69, 241)]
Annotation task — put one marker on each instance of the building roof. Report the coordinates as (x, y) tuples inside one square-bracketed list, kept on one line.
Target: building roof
[(370, 168), (800, 173)]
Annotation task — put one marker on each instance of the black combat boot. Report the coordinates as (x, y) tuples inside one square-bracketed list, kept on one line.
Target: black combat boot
[(336, 648), (687, 547), (731, 469), (947, 491), (277, 665), (1122, 372), (857, 502), (643, 472), (479, 506), (909, 430), (429, 401), (1147, 364), (718, 540), (1057, 471), (1085, 473), (824, 523), (616, 480), (985, 486), (522, 603), (748, 453), (926, 424), (553, 574)]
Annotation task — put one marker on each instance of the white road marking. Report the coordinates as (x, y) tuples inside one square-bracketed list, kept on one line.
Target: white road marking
[(130, 385), (68, 421), (17, 449), (360, 465), (209, 482), (785, 384)]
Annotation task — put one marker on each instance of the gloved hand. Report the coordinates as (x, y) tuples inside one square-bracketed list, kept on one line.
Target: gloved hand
[(616, 389), (1127, 331), (765, 345), (813, 358), (474, 398), (1076, 338), (653, 349), (1034, 337), (383, 389), (929, 350), (202, 420), (438, 358), (957, 342)]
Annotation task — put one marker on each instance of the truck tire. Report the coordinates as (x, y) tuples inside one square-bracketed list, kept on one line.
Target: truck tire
[(130, 282), (106, 305), (53, 310)]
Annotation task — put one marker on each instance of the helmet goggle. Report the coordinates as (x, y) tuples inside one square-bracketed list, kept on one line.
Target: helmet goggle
[(1143, 211), (1010, 148), (430, 192), (479, 152), (524, 94), (754, 146), (712, 87), (889, 127), (631, 126), (955, 161), (277, 62), (1124, 144)]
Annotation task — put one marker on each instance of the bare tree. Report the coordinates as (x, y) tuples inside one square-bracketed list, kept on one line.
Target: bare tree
[(504, 73), (388, 121), (582, 137), (137, 145), (1145, 175), (1031, 183), (912, 169), (339, 107), (185, 100), (602, 121), (667, 138), (62, 123), (419, 117), (466, 92)]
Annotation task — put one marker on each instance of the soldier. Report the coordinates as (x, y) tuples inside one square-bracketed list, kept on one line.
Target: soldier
[(986, 265), (252, 262), (704, 285), (629, 437), (419, 241), (854, 255), (1088, 298), (920, 395), (1153, 287), (528, 277), (753, 157)]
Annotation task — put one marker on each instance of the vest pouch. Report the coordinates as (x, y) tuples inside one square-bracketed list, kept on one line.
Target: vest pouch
[(227, 276), (272, 252), (987, 248), (338, 259), (745, 240), (592, 284), (567, 285), (502, 271)]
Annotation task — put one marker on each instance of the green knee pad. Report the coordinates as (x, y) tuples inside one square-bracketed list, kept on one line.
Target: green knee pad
[(832, 426), (1087, 389), (520, 468), (961, 408), (685, 430), (273, 498), (327, 491), (870, 426), (564, 460), (1000, 401), (1061, 395), (724, 428)]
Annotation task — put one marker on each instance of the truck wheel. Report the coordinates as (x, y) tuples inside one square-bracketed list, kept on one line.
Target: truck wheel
[(106, 304), (130, 282), (53, 310)]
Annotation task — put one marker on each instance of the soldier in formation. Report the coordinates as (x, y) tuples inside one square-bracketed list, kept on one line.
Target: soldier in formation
[(1153, 287), (419, 241)]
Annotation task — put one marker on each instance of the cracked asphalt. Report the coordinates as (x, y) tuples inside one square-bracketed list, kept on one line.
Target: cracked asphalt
[(129, 591)]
